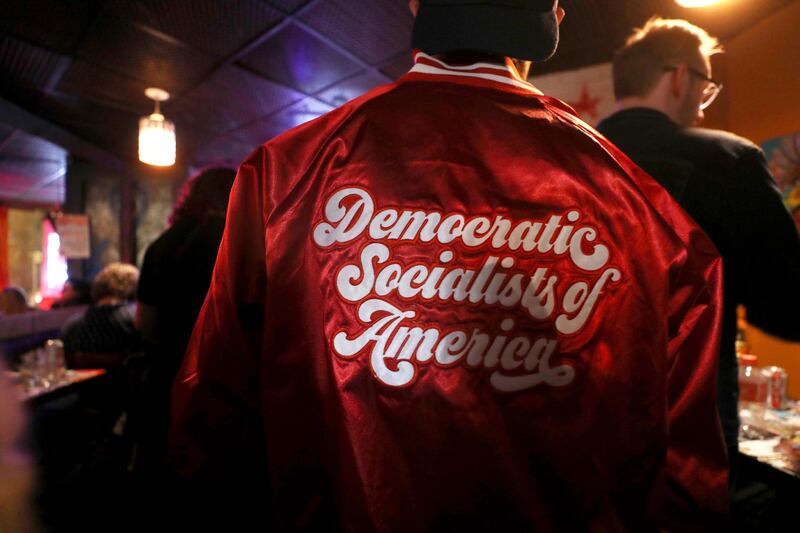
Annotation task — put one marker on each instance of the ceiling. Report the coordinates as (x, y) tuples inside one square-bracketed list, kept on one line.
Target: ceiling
[(32, 169), (239, 71)]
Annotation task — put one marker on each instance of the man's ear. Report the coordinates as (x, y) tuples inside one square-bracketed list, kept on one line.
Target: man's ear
[(413, 5), (560, 14), (677, 81)]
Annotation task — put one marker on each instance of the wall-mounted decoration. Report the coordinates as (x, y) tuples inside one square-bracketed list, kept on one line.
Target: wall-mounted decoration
[(74, 233), (783, 155), (590, 90)]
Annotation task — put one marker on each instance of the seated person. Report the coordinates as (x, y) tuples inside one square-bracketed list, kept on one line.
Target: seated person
[(13, 301), (104, 334)]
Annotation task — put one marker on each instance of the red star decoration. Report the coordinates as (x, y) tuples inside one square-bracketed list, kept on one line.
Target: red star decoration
[(586, 105)]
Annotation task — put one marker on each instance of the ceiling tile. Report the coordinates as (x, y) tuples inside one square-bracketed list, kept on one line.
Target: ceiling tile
[(29, 66), (289, 6), (373, 30), (104, 126), (29, 180), (88, 81), (122, 48), (350, 88), (398, 65), (28, 166), (24, 145), (295, 58), (6, 132), (216, 27), (226, 151), (189, 139), (53, 24), (265, 129), (229, 99)]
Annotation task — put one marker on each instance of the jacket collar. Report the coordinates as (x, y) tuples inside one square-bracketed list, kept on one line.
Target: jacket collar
[(497, 75), (639, 113)]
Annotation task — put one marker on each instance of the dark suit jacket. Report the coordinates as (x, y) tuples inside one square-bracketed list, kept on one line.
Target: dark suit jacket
[(723, 182)]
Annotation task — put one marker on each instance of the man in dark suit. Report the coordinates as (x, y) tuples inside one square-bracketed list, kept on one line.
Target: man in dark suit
[(662, 83)]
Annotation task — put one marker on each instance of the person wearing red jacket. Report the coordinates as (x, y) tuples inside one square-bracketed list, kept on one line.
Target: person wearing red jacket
[(451, 305)]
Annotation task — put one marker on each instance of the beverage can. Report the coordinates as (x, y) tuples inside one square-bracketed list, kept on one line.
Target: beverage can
[(778, 386)]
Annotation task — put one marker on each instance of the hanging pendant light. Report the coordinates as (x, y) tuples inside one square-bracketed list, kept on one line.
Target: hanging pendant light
[(156, 133), (696, 3)]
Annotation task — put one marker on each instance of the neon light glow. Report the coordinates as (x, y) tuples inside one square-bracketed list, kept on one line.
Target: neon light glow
[(54, 265)]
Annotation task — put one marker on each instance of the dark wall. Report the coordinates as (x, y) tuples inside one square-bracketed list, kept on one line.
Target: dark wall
[(125, 213)]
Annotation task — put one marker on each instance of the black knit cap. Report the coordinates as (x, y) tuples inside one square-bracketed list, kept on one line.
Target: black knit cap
[(522, 29)]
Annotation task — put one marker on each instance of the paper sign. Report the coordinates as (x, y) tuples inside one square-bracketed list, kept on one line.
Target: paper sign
[(74, 233)]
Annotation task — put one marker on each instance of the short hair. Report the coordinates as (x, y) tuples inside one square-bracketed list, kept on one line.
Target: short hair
[(661, 42), (117, 280)]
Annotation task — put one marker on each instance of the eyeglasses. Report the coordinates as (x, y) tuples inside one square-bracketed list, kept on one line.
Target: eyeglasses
[(711, 90)]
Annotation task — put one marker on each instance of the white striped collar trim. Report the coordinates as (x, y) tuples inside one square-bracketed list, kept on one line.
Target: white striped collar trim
[(504, 74)]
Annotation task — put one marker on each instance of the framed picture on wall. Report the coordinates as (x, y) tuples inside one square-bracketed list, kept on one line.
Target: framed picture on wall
[(783, 156)]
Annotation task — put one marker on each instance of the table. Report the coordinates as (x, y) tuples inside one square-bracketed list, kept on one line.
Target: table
[(768, 481), (766, 452), (767, 433), (74, 381)]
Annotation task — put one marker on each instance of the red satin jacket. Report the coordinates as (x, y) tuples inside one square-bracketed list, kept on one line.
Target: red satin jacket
[(450, 304)]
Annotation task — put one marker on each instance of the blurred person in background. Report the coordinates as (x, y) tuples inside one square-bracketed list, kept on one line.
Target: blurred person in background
[(13, 301), (104, 335), (662, 83), (176, 274)]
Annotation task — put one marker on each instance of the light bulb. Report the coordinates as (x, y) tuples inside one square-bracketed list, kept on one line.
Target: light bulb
[(156, 141), (156, 133)]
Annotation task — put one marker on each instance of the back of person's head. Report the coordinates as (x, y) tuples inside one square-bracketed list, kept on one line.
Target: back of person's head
[(520, 29), (659, 44), (203, 195), (13, 300), (117, 281)]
